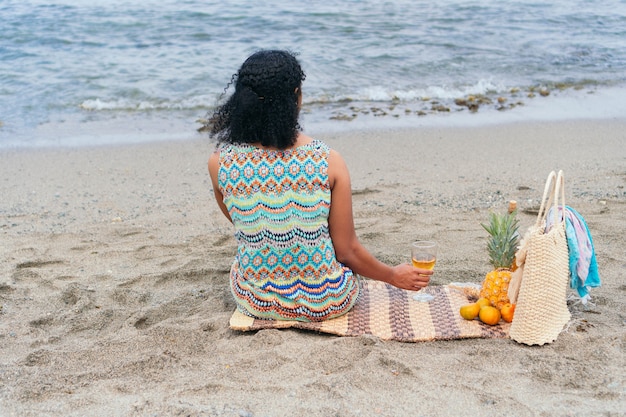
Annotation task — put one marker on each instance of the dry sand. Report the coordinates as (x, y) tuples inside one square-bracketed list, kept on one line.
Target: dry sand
[(115, 302)]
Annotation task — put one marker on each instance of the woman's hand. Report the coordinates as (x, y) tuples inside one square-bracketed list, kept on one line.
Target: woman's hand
[(407, 277)]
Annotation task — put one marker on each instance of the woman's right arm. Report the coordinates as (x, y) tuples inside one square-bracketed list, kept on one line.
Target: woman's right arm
[(348, 248)]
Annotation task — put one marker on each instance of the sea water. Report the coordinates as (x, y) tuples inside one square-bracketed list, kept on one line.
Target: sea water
[(77, 72)]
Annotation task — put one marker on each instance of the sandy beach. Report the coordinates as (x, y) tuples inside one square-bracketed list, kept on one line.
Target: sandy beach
[(115, 301)]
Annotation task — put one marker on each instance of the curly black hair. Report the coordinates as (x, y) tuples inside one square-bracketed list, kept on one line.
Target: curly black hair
[(264, 107)]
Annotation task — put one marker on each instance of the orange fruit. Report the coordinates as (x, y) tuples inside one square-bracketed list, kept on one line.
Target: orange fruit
[(507, 311), (489, 315), (483, 302), (469, 311)]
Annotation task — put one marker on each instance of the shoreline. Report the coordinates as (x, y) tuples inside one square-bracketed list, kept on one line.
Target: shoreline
[(98, 128), (114, 281)]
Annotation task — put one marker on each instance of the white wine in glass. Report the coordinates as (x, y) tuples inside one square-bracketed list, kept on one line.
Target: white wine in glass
[(424, 255)]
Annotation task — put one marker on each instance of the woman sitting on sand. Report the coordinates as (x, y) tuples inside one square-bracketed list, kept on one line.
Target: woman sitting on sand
[(290, 201)]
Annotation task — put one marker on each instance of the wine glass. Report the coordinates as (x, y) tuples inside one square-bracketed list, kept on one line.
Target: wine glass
[(423, 255)]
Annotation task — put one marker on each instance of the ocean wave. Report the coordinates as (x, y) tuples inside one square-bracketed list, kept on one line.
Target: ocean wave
[(124, 104), (372, 94), (484, 87)]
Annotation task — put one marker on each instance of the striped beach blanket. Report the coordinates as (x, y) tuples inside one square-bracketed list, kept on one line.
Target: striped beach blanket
[(390, 313)]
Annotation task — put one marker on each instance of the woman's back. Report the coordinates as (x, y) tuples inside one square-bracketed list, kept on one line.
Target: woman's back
[(296, 255), (279, 202)]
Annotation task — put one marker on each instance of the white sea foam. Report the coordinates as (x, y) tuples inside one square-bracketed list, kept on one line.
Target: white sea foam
[(380, 93), (97, 104)]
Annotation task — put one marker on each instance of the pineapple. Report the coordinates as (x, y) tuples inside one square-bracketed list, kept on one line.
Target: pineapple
[(502, 245)]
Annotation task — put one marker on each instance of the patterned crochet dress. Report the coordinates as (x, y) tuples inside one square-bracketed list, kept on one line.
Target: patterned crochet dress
[(279, 201)]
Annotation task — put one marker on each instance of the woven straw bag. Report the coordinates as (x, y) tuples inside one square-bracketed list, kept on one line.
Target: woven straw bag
[(541, 306)]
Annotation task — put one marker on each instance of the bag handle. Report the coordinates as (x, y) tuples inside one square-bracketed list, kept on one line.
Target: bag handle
[(560, 186), (555, 185), (548, 191)]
